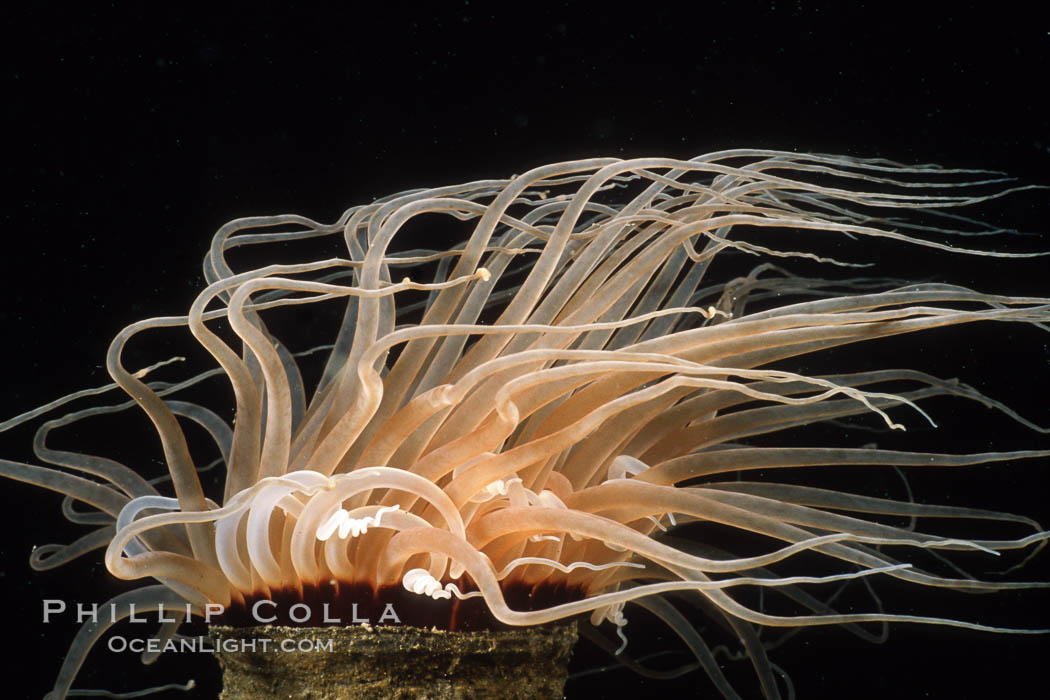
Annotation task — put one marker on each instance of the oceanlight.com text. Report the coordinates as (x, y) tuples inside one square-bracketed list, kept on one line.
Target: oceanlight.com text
[(120, 644)]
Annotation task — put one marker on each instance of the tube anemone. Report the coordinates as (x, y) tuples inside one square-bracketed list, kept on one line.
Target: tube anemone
[(538, 423)]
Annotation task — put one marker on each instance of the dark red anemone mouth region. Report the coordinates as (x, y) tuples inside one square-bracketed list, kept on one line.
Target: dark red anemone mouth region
[(352, 603)]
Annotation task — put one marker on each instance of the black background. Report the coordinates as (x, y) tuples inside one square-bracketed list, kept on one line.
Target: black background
[(130, 136)]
